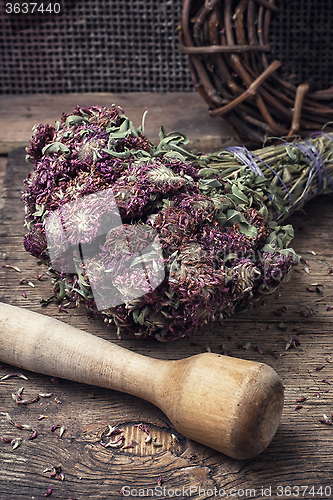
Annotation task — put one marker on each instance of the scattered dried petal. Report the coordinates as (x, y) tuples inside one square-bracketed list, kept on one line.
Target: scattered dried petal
[(7, 440), (114, 444), (27, 401), (48, 492), (148, 438), (301, 400), (41, 417), (142, 427), (112, 430), (318, 368), (175, 438), (326, 381), (46, 394), (56, 471), (325, 421), (159, 481), (17, 269), (10, 375), (23, 427), (8, 418), (19, 393), (33, 435), (62, 430), (16, 443), (56, 400), (54, 427), (298, 407), (156, 443)]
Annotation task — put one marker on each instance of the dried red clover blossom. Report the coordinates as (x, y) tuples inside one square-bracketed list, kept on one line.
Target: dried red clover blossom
[(217, 250)]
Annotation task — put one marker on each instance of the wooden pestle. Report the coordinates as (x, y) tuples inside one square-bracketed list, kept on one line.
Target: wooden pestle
[(229, 404)]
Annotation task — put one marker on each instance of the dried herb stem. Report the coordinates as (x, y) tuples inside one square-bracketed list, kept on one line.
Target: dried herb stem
[(291, 172)]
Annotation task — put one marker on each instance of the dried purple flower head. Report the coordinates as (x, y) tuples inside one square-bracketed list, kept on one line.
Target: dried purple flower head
[(174, 226), (42, 135), (35, 242), (151, 238)]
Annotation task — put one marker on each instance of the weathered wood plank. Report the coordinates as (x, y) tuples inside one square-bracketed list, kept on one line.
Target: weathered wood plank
[(19, 113), (3, 162), (301, 452)]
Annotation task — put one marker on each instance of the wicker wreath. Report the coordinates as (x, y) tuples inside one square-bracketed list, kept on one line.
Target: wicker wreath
[(234, 70)]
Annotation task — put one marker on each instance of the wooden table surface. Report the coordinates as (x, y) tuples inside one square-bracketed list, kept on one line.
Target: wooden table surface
[(298, 462)]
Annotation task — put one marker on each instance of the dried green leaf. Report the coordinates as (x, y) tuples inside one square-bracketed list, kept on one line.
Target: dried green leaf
[(209, 183), (116, 154), (207, 173), (247, 229), (56, 147), (75, 120), (239, 194), (290, 153)]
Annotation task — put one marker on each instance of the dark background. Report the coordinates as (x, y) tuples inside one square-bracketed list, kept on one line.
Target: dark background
[(132, 46)]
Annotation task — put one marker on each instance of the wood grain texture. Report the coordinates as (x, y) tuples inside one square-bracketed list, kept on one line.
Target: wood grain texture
[(3, 162), (301, 451)]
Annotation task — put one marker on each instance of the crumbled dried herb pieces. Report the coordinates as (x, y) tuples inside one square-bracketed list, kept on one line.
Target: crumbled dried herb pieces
[(48, 492), (56, 472), (326, 420), (10, 375), (15, 442), (15, 268)]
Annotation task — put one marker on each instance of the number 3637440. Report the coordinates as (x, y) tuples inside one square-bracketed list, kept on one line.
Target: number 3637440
[(32, 8)]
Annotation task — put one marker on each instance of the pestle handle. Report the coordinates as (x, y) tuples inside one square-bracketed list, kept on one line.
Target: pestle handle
[(229, 404)]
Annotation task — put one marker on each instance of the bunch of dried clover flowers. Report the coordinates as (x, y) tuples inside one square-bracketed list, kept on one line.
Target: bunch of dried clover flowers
[(220, 247)]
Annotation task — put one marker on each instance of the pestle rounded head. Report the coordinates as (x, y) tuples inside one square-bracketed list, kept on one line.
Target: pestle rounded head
[(229, 404)]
